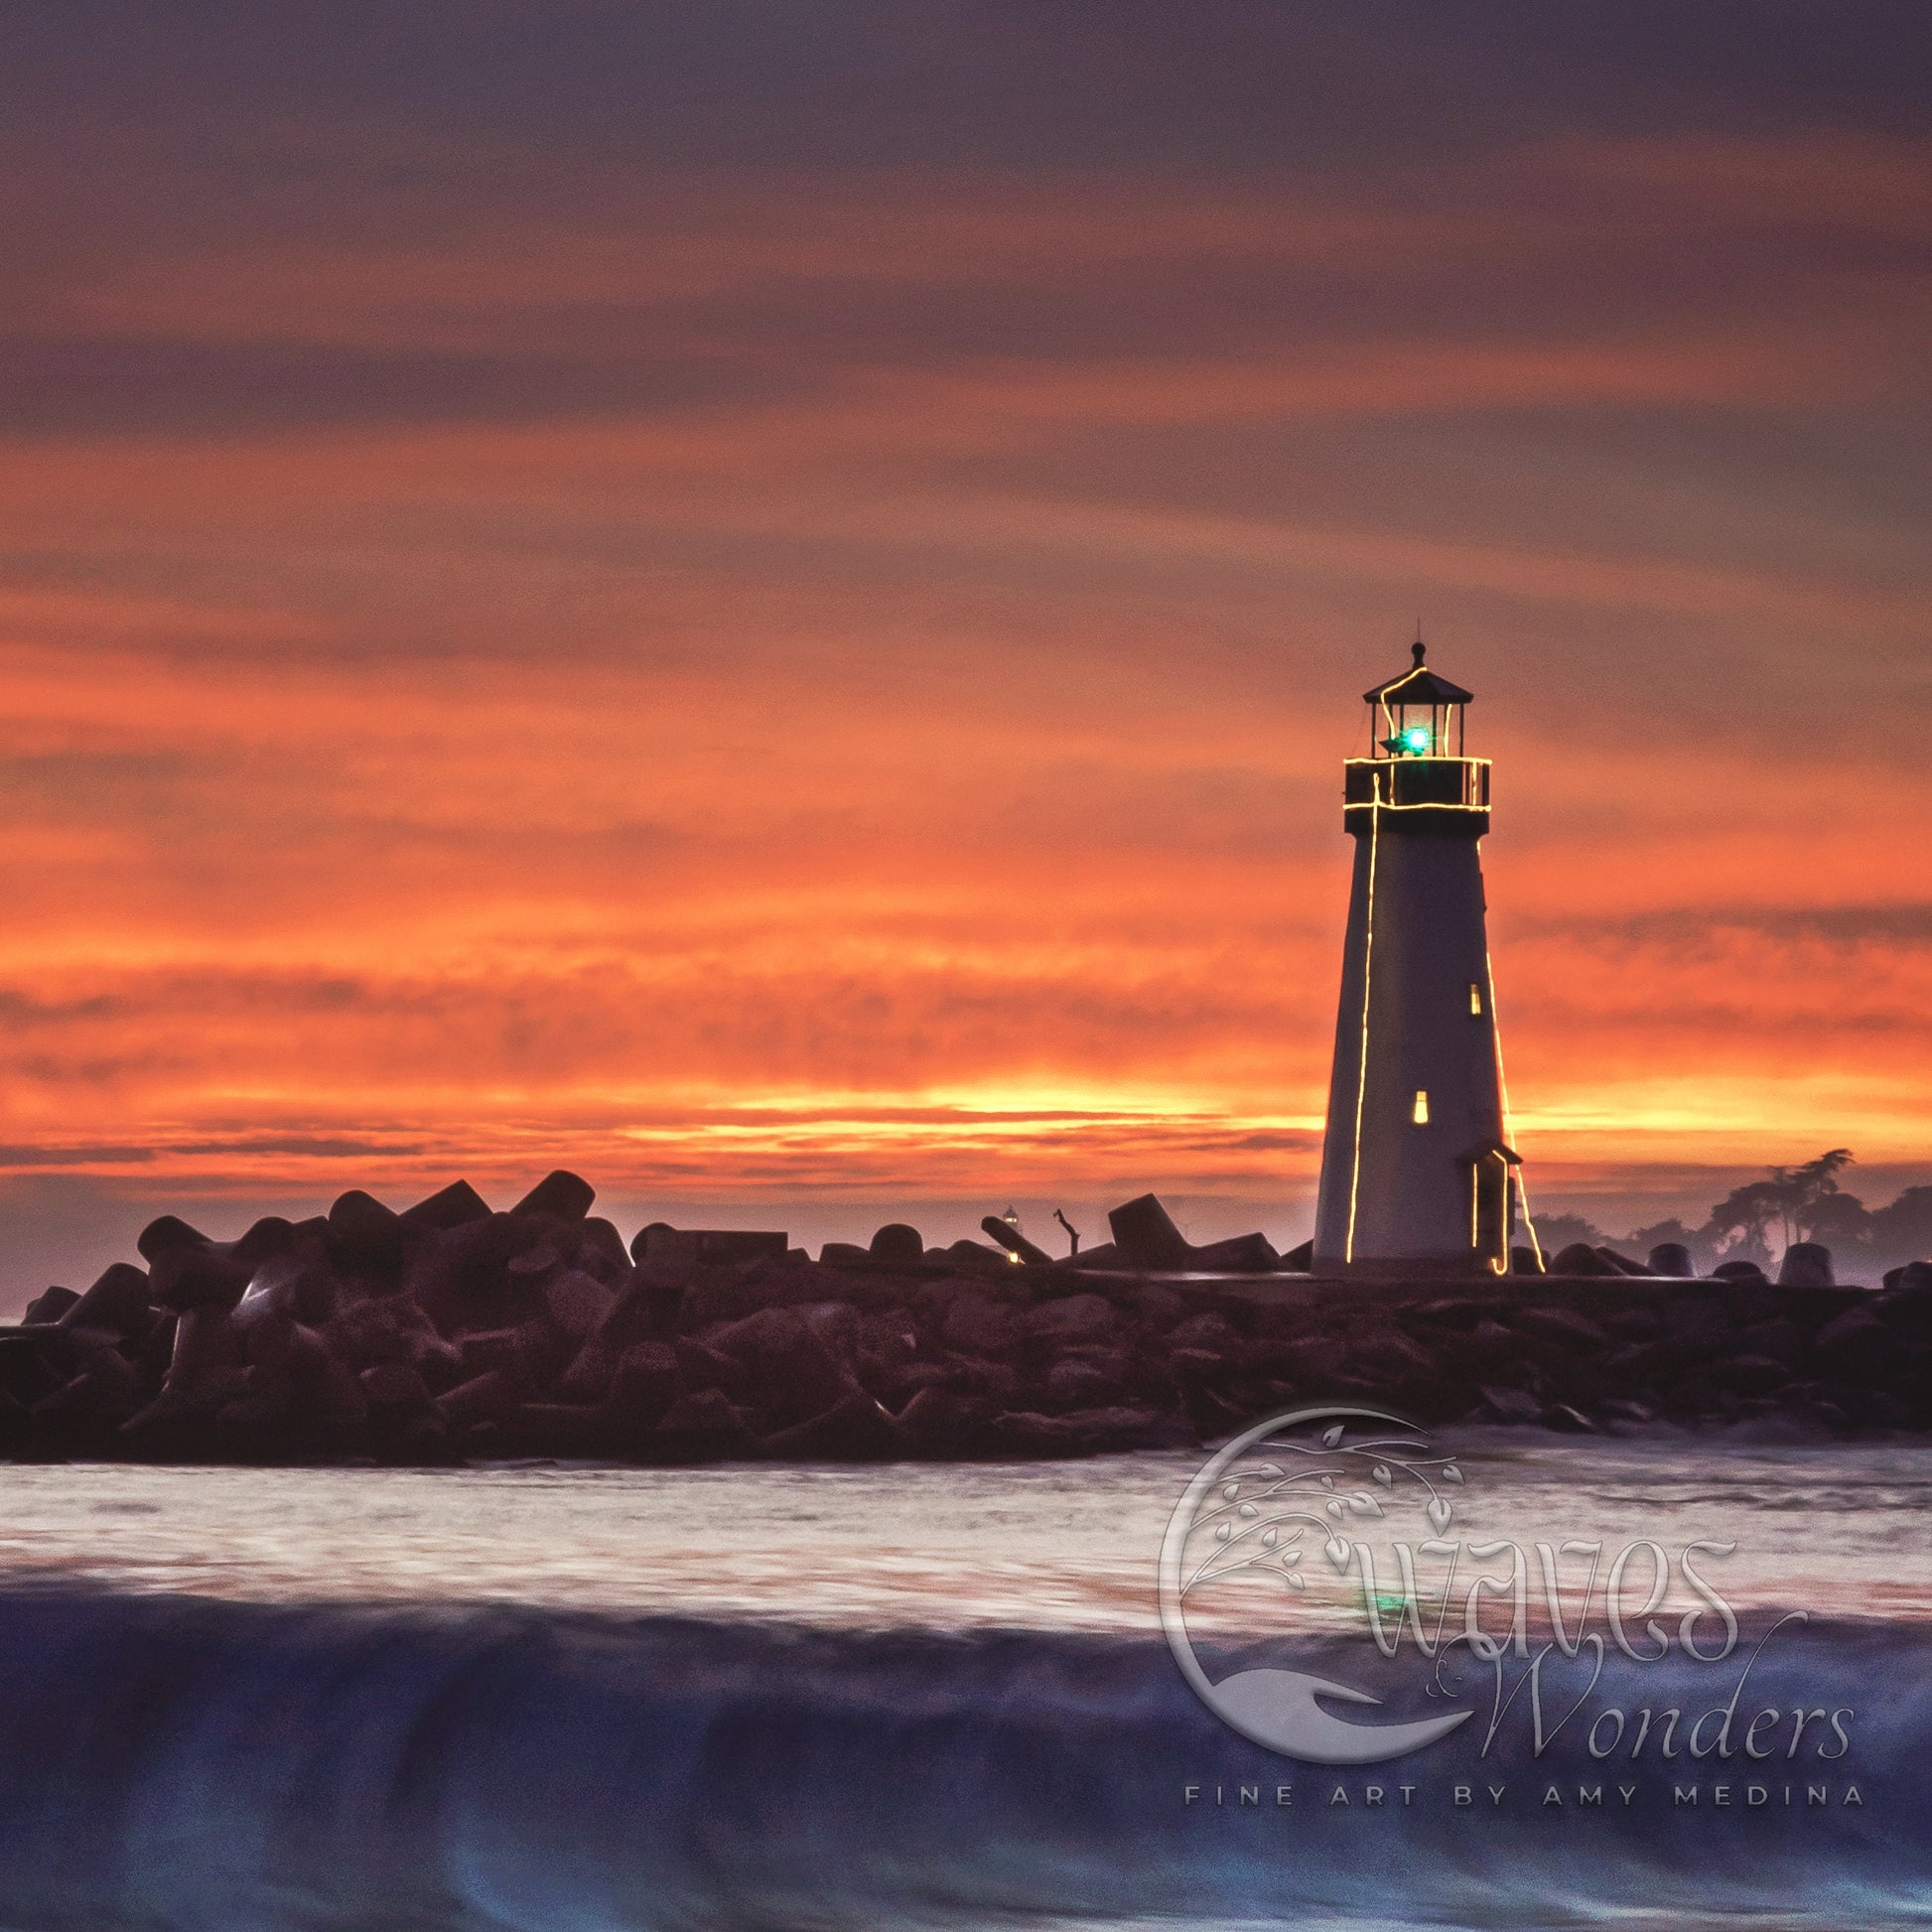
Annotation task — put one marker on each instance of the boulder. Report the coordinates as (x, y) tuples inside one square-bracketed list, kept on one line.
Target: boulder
[(855, 1428), (364, 1236), (1072, 1320), (1390, 1360), (1076, 1384), (1699, 1318), (533, 1351), (438, 1362), (643, 1387), (483, 1397), (1115, 1430), (897, 1387), (167, 1234), (297, 1286), (532, 1266), (204, 1369), (100, 1397), (976, 1258), (1156, 1305), (1511, 1405), (977, 1325), (1751, 1375), (1313, 1362), (365, 1334), (1561, 1416), (1566, 1326), (1621, 1264), (46, 1309), (898, 1246), (1101, 1259), (1634, 1323), (645, 1308), (704, 1367), (589, 1375), (271, 1235), (325, 1385), (946, 1417), (1618, 1409), (1015, 1244), (796, 1375), (1240, 1254), (577, 1303), (395, 1386), (461, 1277), (558, 1429), (1026, 1432), (24, 1378), (687, 1248), (703, 1426), (562, 1194), (1209, 1330), (640, 1242), (1906, 1314), (599, 1252), (836, 1325), (1145, 1236), (1740, 1271), (1298, 1260), (1779, 1339), (1855, 1345), (184, 1275), (450, 1208), (119, 1304), (1672, 1260), (1806, 1263), (1580, 1258), (82, 1382)]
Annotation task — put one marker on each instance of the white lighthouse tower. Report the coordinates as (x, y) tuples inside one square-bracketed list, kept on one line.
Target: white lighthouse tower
[(1417, 1174)]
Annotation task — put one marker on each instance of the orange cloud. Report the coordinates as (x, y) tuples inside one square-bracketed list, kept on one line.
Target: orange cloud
[(909, 766)]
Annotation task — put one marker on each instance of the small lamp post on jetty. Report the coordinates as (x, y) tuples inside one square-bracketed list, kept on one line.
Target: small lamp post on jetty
[(1418, 1176)]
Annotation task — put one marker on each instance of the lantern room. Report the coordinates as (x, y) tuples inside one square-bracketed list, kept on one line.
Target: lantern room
[(1417, 715), (1417, 764)]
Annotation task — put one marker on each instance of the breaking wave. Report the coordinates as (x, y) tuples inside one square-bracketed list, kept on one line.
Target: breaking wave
[(175, 1763)]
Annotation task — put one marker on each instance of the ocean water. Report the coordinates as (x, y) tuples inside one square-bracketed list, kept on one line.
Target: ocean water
[(560, 1697)]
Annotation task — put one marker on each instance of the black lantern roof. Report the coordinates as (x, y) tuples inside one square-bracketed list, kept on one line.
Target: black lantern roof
[(1418, 686)]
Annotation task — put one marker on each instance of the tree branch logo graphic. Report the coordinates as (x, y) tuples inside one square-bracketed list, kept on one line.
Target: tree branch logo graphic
[(1262, 1504)]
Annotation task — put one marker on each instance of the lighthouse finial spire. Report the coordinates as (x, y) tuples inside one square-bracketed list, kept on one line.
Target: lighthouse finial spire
[(1420, 648)]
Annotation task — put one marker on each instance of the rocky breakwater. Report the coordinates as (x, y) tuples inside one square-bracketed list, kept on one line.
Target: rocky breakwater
[(450, 1332)]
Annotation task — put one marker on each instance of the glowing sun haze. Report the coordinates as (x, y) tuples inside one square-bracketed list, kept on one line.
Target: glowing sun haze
[(767, 602)]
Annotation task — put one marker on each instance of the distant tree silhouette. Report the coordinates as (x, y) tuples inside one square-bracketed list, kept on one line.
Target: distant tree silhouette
[(1902, 1231), (1801, 1191), (1739, 1222), (1555, 1232), (1798, 1204), (1698, 1240)]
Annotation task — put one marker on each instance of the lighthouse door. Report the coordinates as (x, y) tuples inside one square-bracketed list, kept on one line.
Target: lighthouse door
[(1489, 1209)]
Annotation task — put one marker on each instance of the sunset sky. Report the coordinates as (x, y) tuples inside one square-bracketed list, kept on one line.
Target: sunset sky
[(765, 601)]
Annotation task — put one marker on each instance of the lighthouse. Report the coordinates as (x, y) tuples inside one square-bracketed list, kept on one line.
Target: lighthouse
[(1418, 1176)]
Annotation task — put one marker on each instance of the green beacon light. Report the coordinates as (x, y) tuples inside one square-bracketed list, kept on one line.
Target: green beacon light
[(1415, 739)]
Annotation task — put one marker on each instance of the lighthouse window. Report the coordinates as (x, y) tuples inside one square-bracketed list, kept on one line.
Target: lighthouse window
[(1421, 1108), (1475, 999)]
